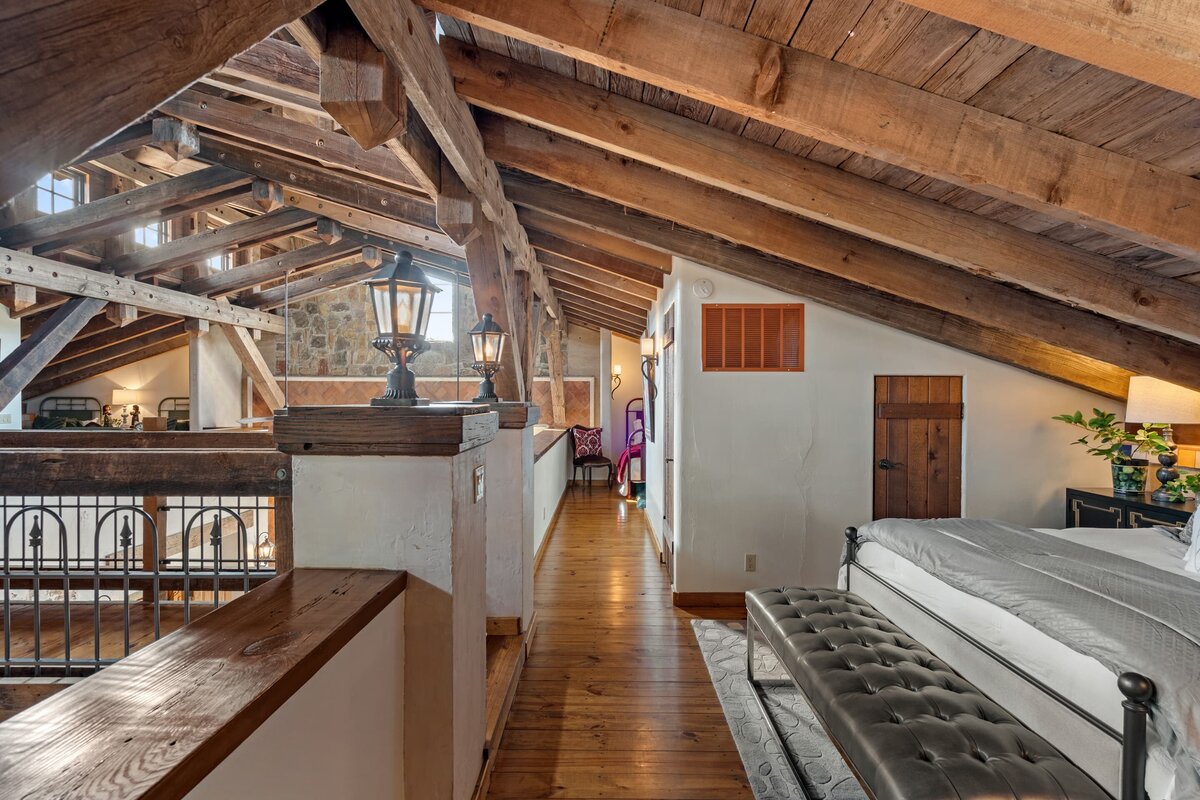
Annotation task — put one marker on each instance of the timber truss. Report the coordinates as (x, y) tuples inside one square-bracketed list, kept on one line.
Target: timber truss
[(929, 174)]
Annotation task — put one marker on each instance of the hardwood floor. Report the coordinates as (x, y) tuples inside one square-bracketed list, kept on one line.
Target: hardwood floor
[(615, 700)]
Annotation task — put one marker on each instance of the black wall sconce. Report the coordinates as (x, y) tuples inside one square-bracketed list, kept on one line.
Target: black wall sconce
[(649, 362)]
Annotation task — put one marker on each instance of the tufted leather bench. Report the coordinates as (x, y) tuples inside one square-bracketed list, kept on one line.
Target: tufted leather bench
[(910, 727)]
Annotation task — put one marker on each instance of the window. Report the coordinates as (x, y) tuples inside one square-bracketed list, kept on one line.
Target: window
[(220, 263), (59, 191), (441, 316), (752, 338), (151, 235)]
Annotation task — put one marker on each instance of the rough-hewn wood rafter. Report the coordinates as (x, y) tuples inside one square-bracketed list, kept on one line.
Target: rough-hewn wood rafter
[(832, 196), (920, 280), (66, 68), (1015, 346), (860, 111), (397, 28)]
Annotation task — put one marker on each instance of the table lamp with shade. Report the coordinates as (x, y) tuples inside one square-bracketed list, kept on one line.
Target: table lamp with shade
[(125, 398), (1156, 401)]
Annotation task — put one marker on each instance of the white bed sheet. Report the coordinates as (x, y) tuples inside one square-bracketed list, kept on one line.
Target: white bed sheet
[(1079, 678)]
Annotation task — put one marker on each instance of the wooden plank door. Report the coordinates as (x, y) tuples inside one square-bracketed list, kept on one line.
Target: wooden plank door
[(918, 446), (668, 405)]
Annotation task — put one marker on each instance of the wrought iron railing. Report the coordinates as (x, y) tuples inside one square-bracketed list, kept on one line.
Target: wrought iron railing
[(87, 580)]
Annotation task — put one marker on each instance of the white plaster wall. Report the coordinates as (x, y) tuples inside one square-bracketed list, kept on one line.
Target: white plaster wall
[(219, 375), (509, 522), (350, 511), (10, 338), (778, 464), (340, 735), (164, 375), (550, 475)]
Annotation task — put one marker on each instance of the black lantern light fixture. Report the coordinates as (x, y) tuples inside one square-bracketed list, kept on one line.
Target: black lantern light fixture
[(401, 297), (487, 340)]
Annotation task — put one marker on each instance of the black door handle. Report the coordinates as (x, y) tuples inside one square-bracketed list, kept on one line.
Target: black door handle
[(886, 464)]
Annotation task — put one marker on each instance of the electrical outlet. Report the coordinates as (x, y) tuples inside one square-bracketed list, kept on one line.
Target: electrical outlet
[(5, 419), (751, 562)]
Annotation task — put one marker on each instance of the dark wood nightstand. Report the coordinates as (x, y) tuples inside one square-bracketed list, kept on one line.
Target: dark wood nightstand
[(1104, 508)]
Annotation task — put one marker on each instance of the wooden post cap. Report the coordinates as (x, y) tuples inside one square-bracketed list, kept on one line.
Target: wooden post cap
[(431, 430)]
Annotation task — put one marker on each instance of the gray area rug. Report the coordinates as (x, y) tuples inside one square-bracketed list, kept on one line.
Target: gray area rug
[(822, 769)]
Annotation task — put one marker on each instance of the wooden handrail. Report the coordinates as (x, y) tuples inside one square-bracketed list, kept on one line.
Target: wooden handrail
[(156, 723), (152, 471), (96, 439), (546, 439)]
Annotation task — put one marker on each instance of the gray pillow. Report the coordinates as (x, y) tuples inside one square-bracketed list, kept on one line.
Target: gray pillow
[(1181, 534)]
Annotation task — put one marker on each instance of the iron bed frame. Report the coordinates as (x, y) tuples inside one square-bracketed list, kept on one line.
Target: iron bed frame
[(1137, 689)]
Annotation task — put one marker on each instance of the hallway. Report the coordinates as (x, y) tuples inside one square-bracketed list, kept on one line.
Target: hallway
[(615, 700)]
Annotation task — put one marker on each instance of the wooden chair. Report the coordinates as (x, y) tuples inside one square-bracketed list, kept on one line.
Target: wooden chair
[(588, 463)]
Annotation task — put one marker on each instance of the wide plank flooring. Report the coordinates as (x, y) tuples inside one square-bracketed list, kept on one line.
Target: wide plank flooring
[(614, 700)]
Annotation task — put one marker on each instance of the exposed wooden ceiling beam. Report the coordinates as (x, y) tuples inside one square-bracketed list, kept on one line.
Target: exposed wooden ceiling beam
[(492, 290), (280, 133), (55, 276), (860, 111), (318, 181), (325, 281), (1012, 346), (849, 202), (99, 218), (83, 345), (593, 239), (31, 356), (190, 249), (586, 276), (98, 363), (622, 269), (600, 292), (255, 365), (76, 71), (235, 279), (597, 320), (127, 139), (288, 72), (601, 301), (611, 317), (397, 28), (432, 245), (1154, 42), (911, 277)]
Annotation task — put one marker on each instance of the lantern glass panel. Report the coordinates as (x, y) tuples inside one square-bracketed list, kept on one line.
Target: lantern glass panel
[(398, 317), (488, 345)]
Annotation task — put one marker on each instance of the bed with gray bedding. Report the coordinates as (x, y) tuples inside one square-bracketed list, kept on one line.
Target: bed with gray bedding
[(1125, 614)]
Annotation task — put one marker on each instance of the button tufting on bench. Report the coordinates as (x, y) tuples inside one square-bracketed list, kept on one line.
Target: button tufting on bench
[(912, 727)]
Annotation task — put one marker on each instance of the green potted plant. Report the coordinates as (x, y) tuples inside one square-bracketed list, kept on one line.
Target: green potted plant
[(1179, 489), (1107, 437)]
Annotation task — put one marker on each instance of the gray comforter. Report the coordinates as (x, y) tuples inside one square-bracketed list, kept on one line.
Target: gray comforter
[(1127, 615)]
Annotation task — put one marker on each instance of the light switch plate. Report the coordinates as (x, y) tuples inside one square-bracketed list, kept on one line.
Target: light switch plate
[(479, 483)]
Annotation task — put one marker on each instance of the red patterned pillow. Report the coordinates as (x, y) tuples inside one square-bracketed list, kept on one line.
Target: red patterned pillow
[(587, 442)]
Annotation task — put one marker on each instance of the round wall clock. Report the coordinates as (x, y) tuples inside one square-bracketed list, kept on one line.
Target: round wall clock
[(702, 288)]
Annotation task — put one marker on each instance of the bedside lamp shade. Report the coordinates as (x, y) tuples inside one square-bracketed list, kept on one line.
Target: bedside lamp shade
[(1154, 400), (125, 397)]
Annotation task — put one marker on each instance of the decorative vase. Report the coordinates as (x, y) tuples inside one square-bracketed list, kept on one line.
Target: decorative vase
[(1129, 478)]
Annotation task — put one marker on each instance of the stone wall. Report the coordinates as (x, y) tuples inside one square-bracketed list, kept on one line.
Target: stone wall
[(330, 335)]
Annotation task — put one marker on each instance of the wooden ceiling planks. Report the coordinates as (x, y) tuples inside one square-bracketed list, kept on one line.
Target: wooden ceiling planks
[(1096, 108)]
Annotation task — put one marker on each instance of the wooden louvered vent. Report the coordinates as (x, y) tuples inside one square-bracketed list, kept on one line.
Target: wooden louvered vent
[(753, 337)]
